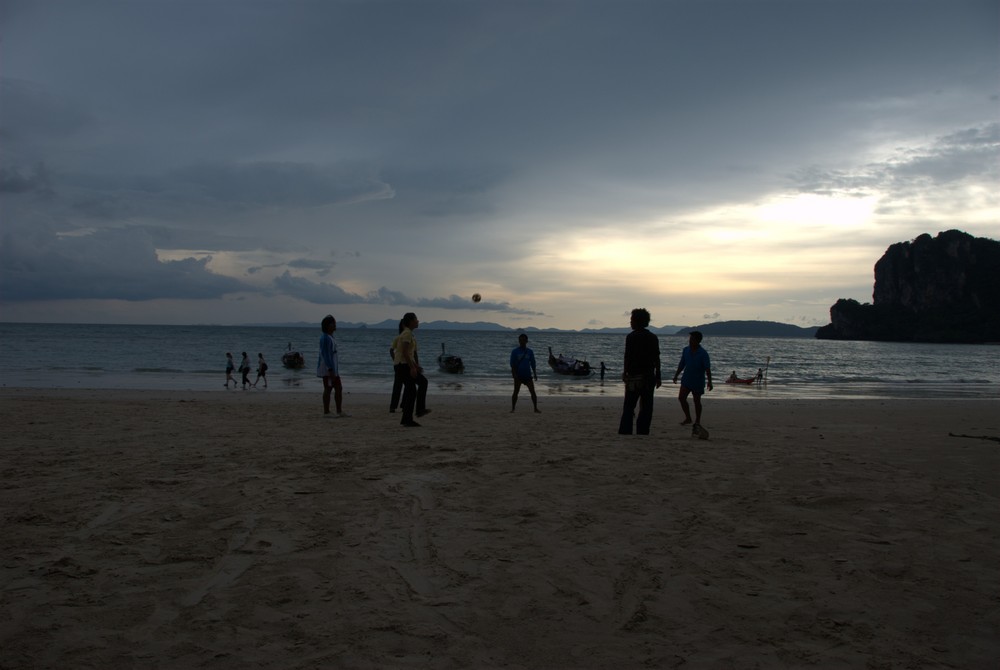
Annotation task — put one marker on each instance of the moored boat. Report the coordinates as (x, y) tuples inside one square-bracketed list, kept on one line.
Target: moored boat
[(293, 360), (450, 362), (568, 366)]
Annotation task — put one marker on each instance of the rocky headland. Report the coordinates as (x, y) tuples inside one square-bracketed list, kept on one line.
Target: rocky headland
[(933, 289)]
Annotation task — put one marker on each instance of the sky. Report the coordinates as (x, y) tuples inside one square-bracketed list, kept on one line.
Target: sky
[(272, 161)]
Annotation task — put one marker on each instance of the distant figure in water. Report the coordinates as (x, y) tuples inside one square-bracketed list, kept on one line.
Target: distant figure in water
[(760, 375), (733, 377), (245, 370), (261, 370), (230, 366), (603, 370)]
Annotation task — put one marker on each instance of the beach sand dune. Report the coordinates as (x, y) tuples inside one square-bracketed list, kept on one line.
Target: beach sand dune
[(239, 530)]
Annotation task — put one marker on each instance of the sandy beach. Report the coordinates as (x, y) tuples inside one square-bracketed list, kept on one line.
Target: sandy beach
[(245, 530)]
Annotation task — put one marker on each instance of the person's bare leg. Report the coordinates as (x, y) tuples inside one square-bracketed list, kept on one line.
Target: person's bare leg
[(534, 397), (697, 408), (683, 398), (327, 390)]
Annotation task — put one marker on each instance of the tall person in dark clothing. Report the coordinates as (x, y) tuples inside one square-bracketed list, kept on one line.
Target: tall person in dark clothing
[(641, 374)]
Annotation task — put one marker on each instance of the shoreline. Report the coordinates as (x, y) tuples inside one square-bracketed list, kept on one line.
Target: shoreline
[(196, 529), (454, 387)]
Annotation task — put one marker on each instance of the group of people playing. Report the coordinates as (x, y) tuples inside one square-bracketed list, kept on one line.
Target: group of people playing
[(408, 379), (641, 374), (409, 389), (244, 370)]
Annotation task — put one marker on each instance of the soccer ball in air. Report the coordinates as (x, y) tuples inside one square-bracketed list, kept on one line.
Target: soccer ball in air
[(476, 297)]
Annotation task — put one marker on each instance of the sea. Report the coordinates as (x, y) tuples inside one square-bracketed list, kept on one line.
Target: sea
[(193, 358)]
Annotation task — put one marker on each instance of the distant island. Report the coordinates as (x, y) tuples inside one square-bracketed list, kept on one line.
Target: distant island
[(751, 329), (717, 329), (942, 289)]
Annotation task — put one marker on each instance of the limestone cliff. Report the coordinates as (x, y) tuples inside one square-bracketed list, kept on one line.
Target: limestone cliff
[(940, 289)]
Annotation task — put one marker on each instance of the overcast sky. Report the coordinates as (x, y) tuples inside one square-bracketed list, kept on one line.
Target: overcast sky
[(227, 161)]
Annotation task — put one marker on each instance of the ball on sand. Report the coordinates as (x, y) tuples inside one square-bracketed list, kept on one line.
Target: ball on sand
[(476, 297)]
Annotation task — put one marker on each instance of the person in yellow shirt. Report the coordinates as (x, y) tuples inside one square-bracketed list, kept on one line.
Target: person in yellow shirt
[(409, 372)]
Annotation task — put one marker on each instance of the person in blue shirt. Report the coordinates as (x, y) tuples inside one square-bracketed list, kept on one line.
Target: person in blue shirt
[(696, 367), (522, 369), (328, 367)]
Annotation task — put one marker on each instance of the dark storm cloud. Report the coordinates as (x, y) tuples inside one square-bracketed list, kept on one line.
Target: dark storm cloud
[(37, 180), (969, 153), (443, 193), (331, 294), (111, 264), (202, 189), (315, 292), (321, 268), (310, 264), (32, 113), (280, 184), (194, 237)]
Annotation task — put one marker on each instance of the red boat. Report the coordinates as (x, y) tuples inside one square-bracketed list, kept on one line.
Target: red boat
[(757, 378)]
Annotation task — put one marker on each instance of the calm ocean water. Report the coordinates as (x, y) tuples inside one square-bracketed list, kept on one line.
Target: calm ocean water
[(193, 358)]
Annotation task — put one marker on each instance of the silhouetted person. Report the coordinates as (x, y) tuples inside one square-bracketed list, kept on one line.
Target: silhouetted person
[(245, 370), (261, 370), (641, 374), (522, 369), (230, 366)]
